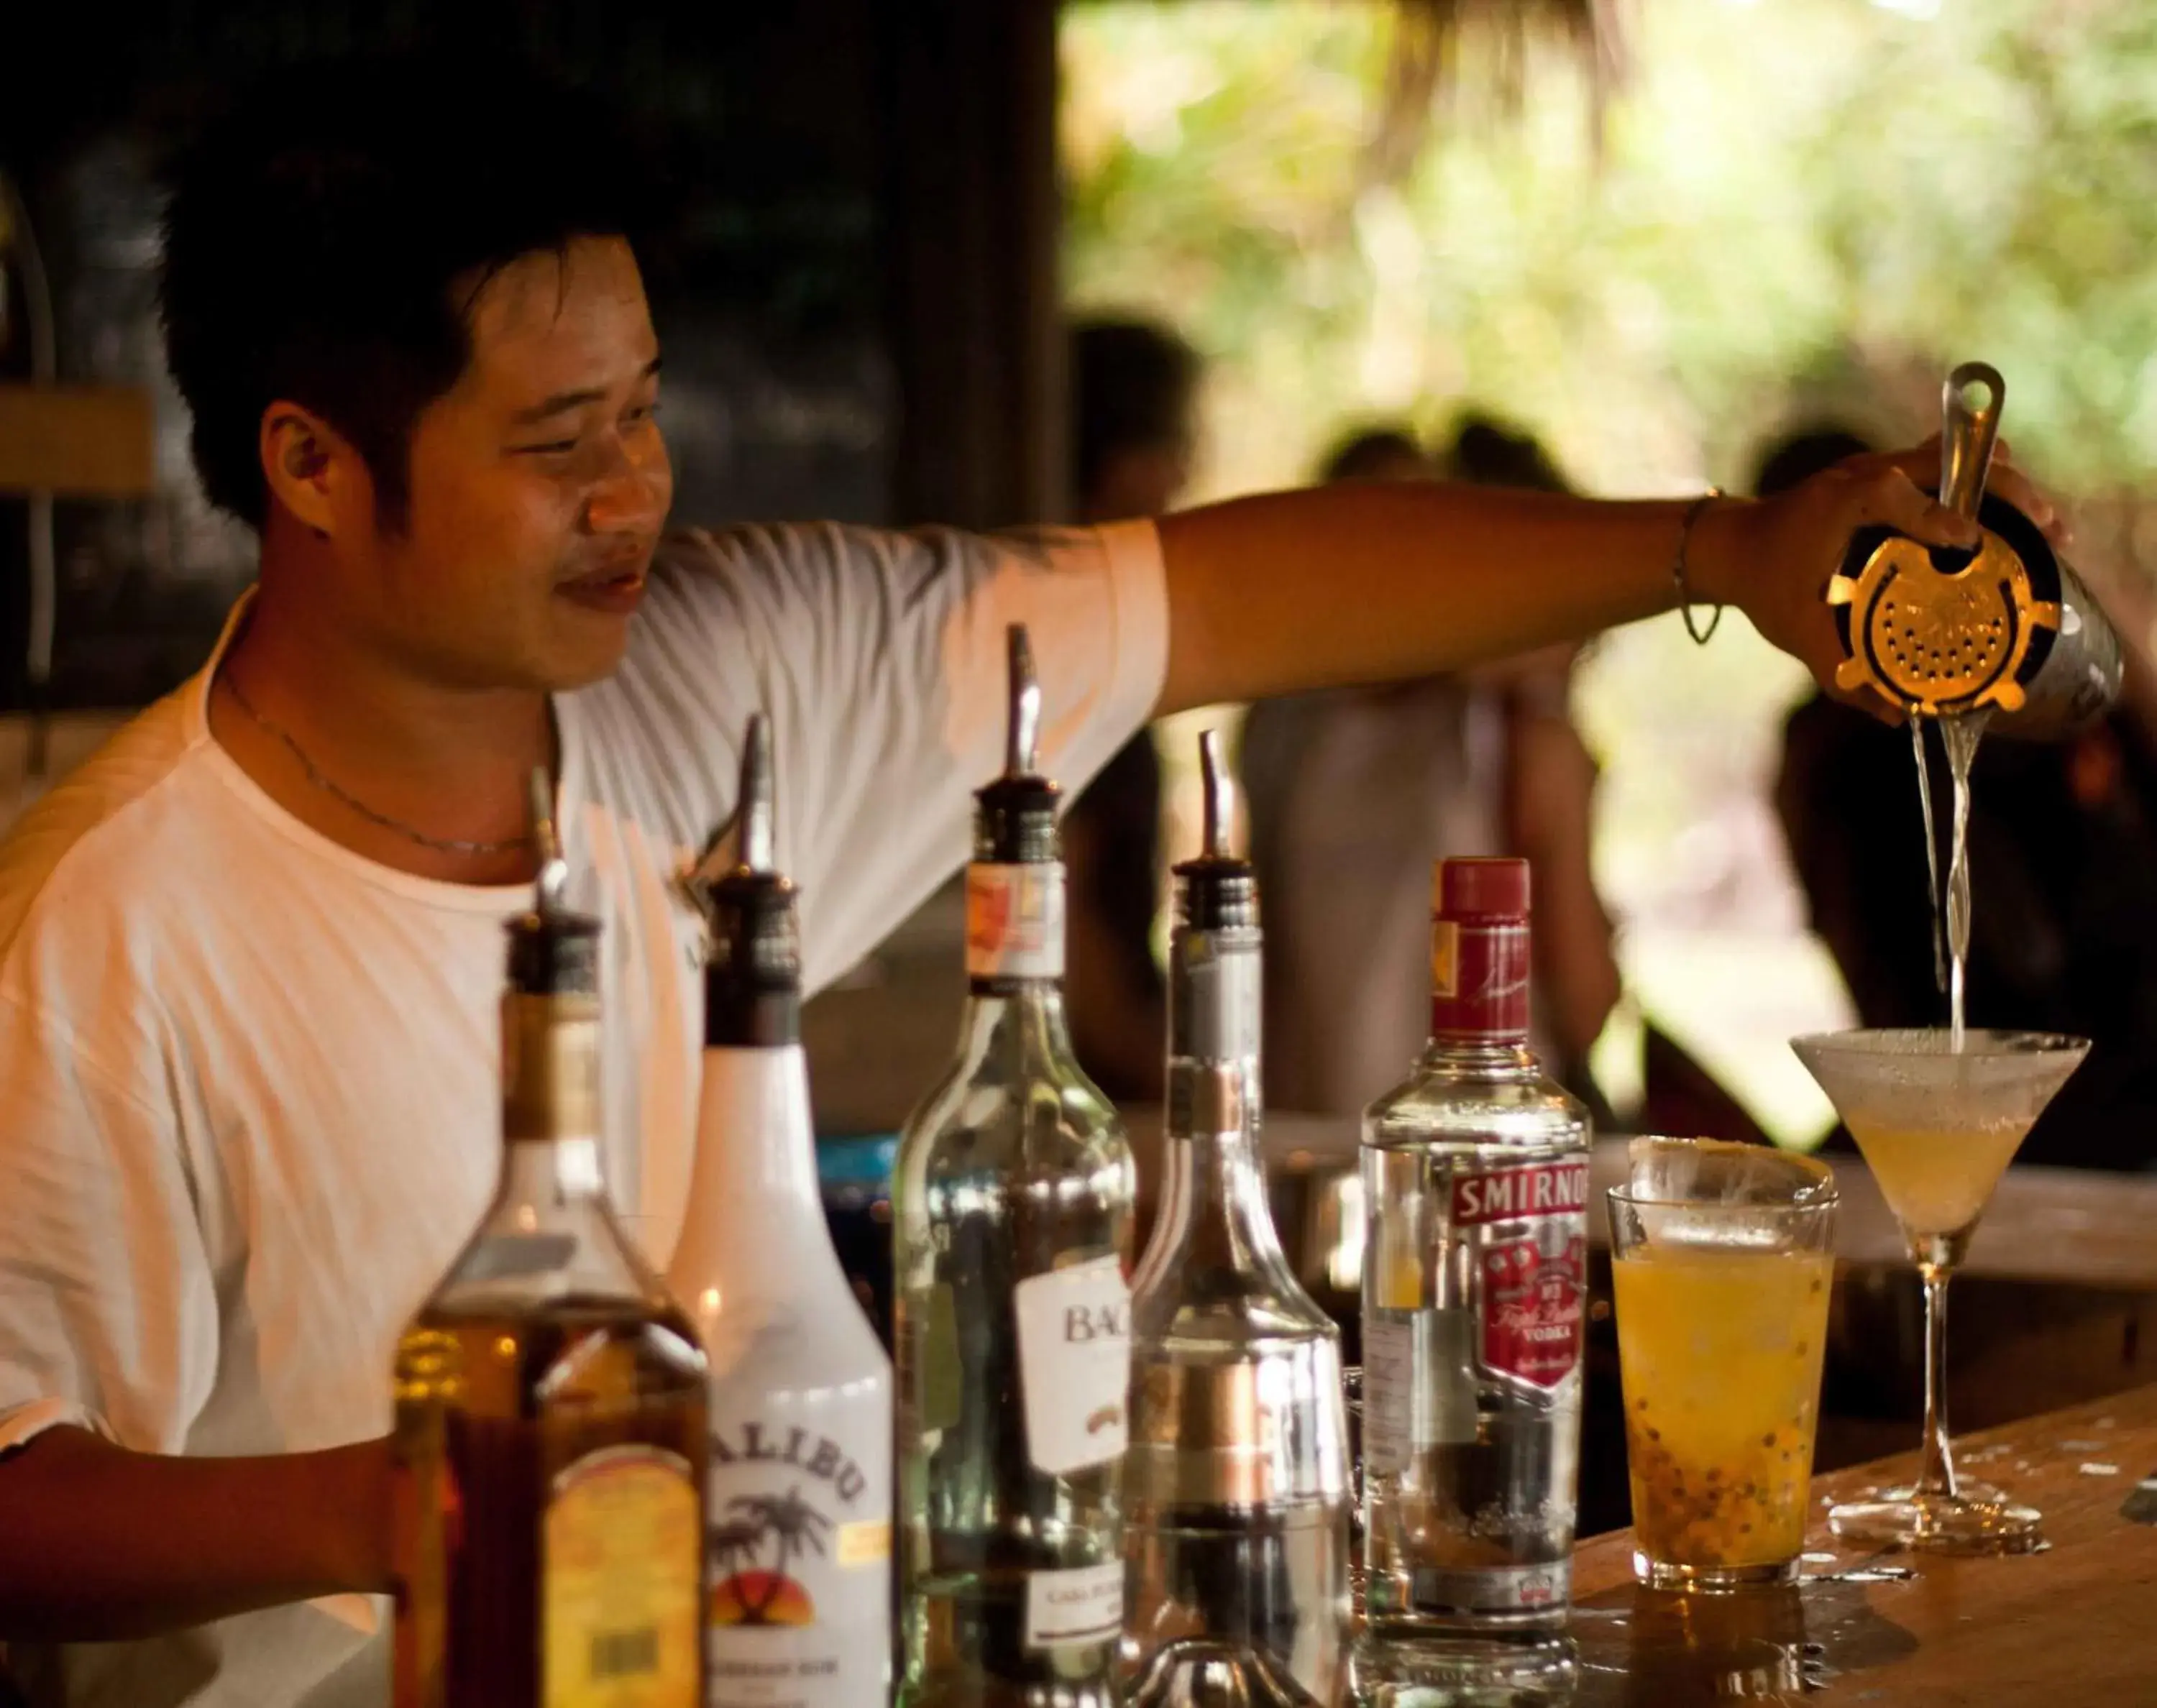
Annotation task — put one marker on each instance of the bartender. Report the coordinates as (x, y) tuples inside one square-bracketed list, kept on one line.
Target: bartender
[(249, 953)]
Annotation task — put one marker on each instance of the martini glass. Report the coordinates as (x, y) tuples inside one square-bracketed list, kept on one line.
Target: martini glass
[(1939, 1127)]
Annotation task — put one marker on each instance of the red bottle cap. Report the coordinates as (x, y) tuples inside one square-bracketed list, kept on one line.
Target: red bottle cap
[(1473, 889), (1479, 951)]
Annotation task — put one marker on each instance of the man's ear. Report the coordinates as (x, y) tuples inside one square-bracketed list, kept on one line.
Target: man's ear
[(310, 468)]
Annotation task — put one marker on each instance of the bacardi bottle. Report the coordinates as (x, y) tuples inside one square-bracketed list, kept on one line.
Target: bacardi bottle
[(1236, 1486), (1012, 1201), (798, 1541), (550, 1398), (1475, 1174)]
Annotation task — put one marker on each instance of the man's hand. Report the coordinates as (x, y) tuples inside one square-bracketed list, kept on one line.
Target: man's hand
[(1773, 559)]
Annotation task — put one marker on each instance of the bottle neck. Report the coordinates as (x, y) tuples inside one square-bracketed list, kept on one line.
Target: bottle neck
[(1014, 926), (1026, 1013), (1214, 1215), (1478, 980), (550, 1099), (755, 1214), (1488, 1055), (739, 1016), (1214, 1211)]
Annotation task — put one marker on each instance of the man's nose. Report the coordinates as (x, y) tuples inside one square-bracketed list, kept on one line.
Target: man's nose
[(631, 495)]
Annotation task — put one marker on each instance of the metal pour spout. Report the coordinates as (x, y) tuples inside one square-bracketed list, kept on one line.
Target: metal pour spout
[(1022, 751), (1016, 823), (547, 843), (755, 797), (1220, 796)]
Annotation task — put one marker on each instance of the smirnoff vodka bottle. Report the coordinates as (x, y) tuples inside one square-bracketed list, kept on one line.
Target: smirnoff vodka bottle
[(798, 1540), (1236, 1485), (1475, 1174), (1011, 1201)]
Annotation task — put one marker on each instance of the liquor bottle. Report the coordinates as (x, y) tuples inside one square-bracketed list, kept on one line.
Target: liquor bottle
[(1476, 1176), (799, 1534), (1012, 1204), (1236, 1483), (551, 1398)]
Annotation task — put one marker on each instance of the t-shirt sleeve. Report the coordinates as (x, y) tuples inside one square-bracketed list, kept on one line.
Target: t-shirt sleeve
[(882, 659), (108, 1317)]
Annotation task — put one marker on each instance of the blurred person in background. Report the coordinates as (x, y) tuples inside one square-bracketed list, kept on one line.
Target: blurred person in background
[(1135, 397), (1355, 793), (2063, 863)]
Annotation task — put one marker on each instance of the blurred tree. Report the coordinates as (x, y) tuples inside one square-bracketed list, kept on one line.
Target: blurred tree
[(1798, 203)]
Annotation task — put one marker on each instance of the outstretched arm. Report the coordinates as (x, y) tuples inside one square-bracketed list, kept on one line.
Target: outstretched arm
[(1390, 581)]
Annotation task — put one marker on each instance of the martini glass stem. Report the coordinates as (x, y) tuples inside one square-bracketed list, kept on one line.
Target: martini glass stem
[(1936, 1474)]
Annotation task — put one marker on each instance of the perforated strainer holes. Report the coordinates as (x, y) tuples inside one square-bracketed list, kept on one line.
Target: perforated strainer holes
[(1952, 640)]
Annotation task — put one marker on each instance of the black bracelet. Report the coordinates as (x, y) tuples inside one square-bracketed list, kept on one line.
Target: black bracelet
[(1701, 636)]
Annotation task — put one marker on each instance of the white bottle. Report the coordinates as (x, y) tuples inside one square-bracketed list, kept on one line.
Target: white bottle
[(798, 1544)]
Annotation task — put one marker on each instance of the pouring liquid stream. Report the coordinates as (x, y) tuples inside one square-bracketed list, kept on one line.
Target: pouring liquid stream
[(1958, 738), (1931, 853)]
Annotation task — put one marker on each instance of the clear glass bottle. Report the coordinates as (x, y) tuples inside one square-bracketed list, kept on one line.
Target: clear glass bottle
[(1236, 1483), (800, 1467), (551, 1400), (1476, 1177), (1011, 1207)]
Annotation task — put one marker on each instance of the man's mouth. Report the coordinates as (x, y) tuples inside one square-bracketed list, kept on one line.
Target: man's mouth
[(614, 589)]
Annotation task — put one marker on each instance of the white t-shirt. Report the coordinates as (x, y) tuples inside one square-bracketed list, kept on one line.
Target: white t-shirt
[(252, 1081)]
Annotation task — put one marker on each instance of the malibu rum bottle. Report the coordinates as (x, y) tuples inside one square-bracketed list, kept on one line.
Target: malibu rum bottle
[(799, 1534), (551, 1400), (1012, 1207)]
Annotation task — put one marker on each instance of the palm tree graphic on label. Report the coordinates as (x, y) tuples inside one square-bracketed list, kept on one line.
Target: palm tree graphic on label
[(750, 1552)]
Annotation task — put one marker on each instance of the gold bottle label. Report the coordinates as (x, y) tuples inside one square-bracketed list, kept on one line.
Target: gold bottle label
[(550, 1060), (621, 1585)]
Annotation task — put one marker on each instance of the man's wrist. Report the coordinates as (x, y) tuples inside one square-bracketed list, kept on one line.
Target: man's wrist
[(358, 1521), (1715, 552)]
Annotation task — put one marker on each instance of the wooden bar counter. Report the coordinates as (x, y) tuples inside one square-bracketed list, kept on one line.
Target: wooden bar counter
[(2074, 1625)]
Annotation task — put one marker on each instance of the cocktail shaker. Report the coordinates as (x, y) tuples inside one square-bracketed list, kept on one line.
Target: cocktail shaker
[(2008, 628)]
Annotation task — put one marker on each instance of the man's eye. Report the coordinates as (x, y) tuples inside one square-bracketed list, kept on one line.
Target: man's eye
[(642, 412), (558, 447)]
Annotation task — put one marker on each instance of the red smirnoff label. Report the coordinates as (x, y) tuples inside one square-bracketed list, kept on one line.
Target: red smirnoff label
[(1530, 1189), (1478, 980), (1533, 1276)]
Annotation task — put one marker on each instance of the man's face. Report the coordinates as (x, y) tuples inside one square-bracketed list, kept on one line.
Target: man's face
[(539, 483)]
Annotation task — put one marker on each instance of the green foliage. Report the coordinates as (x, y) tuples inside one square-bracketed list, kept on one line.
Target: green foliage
[(1799, 207)]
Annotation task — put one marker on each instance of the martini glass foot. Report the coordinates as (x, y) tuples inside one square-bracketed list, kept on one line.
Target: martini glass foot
[(1979, 1520)]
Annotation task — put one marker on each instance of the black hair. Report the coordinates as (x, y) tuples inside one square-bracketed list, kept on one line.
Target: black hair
[(1132, 383), (1797, 457), (1362, 454), (326, 233), (1487, 453)]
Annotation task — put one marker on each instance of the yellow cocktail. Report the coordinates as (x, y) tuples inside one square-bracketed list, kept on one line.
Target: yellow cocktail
[(1721, 1351), (1938, 1117), (1937, 1180), (1722, 1260)]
